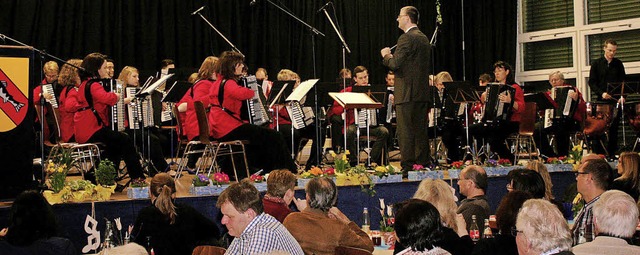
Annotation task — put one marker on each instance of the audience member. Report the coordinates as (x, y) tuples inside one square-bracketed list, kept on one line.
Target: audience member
[(419, 228), (593, 178), (255, 232), (321, 227), (455, 237), (538, 166), (504, 243), (629, 181), (615, 217), (33, 228), (541, 229), (280, 191), (526, 180), (473, 185), (172, 228)]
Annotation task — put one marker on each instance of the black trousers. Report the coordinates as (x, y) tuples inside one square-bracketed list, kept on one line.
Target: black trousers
[(151, 141), (495, 136), (561, 129), (266, 149), (308, 132), (119, 146)]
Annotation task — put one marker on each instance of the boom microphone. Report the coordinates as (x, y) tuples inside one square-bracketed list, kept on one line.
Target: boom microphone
[(198, 10)]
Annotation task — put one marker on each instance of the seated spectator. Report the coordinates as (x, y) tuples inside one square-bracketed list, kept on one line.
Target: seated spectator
[(616, 217), (419, 228), (629, 181), (33, 228), (321, 227), (456, 238), (172, 228), (255, 232), (280, 191), (541, 229), (529, 181), (538, 166), (504, 243), (473, 185), (592, 178)]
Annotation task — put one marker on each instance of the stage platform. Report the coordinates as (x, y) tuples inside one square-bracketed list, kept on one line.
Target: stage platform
[(351, 200)]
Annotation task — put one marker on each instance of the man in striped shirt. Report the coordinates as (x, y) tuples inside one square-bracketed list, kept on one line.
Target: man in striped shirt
[(255, 232), (593, 178)]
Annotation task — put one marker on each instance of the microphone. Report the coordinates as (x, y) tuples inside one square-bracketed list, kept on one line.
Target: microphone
[(198, 10), (252, 3), (324, 7)]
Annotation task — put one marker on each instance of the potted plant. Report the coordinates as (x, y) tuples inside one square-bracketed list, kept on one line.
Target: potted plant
[(56, 176), (258, 181), (106, 179), (81, 190), (201, 185), (306, 176), (138, 189), (417, 173), (386, 224), (220, 182)]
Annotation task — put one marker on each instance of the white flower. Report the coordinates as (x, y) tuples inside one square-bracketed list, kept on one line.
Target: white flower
[(118, 224), (389, 210), (381, 203)]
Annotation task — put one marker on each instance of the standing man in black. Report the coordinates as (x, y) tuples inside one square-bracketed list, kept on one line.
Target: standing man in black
[(605, 70), (410, 64)]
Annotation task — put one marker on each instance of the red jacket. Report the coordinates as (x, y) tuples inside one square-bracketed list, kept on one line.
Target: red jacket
[(519, 99), (200, 92), (182, 116), (85, 122), (67, 113), (283, 117), (222, 122)]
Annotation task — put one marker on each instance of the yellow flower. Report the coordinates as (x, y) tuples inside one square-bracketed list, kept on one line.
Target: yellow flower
[(577, 198), (381, 169), (577, 148), (346, 152), (571, 161), (332, 153), (344, 156)]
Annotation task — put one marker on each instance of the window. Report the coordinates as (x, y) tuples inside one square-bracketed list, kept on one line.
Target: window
[(628, 45), (550, 14), (611, 10), (548, 54)]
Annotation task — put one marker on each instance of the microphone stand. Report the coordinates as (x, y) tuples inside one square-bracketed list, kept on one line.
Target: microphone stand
[(43, 55), (233, 47), (314, 32)]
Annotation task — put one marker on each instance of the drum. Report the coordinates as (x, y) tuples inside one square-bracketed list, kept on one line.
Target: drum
[(599, 117), (632, 112)]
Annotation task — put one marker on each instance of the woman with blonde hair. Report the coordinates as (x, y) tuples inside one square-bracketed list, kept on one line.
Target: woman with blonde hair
[(455, 238), (169, 227), (449, 121), (539, 167), (629, 181), (69, 79)]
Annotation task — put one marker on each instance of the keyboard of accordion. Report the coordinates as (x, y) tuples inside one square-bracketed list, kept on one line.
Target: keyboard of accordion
[(135, 115), (48, 88), (367, 114), (300, 116), (257, 111)]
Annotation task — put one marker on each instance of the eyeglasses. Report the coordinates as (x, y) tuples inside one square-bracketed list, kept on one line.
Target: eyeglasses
[(515, 231), (579, 173)]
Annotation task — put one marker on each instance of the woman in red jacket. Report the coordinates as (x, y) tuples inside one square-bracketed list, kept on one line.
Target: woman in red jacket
[(266, 149), (70, 80), (91, 119)]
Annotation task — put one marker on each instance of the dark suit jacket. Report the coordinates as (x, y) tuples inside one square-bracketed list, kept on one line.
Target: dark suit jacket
[(411, 63)]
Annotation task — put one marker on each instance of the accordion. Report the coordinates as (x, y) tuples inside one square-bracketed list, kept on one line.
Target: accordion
[(496, 112), (255, 109), (48, 88), (301, 117)]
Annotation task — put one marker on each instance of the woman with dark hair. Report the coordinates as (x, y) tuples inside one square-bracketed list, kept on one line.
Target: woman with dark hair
[(33, 228), (171, 228), (418, 227), (266, 149), (526, 180), (92, 120), (503, 242), (628, 169)]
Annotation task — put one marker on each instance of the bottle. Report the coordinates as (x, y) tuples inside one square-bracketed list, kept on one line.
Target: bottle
[(366, 221), (474, 232), (149, 247), (109, 242), (487, 233)]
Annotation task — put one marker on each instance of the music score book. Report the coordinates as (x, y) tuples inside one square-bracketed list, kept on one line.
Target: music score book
[(351, 100), (301, 90)]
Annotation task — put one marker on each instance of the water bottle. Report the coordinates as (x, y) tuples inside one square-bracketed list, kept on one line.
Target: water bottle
[(487, 233), (366, 221), (474, 231)]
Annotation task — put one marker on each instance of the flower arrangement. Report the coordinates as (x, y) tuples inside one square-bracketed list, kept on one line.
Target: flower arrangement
[(361, 173), (557, 160), (256, 178), (77, 185), (576, 154), (382, 171), (106, 173), (457, 165), (57, 175), (201, 180), (138, 183), (417, 167), (578, 203), (312, 173), (504, 162), (329, 172), (220, 178), (341, 163), (386, 224)]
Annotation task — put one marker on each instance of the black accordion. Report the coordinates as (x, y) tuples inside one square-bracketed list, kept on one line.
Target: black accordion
[(566, 105), (496, 112), (255, 109)]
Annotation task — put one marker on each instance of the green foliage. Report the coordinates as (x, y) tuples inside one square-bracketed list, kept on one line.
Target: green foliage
[(106, 173)]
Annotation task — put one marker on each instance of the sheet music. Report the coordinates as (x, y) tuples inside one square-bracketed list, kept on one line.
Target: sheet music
[(302, 90), (155, 85), (344, 98)]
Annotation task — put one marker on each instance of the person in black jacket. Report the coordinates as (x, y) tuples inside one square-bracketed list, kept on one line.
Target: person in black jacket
[(172, 228)]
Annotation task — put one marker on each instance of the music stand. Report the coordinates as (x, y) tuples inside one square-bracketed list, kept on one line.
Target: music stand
[(176, 92), (297, 95), (620, 90), (543, 100), (355, 101), (462, 92)]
